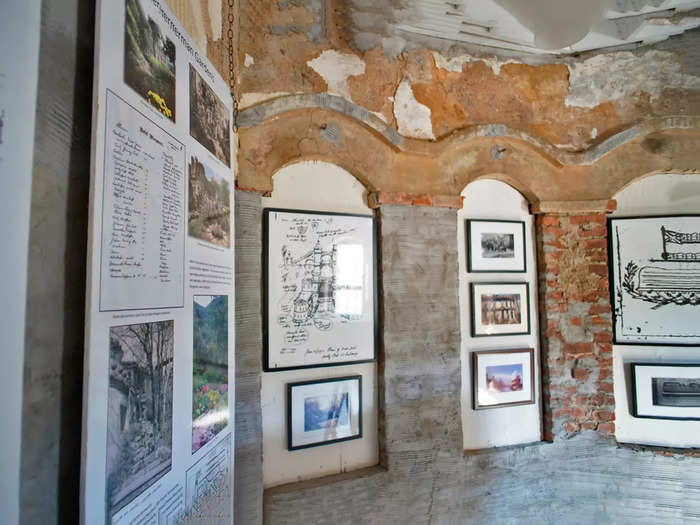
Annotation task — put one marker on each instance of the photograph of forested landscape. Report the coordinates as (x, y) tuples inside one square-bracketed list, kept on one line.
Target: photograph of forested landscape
[(210, 124), (210, 368), (209, 207), (149, 60)]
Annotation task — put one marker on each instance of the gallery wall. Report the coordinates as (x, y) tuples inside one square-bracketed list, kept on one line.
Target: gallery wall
[(660, 194), (495, 427), (318, 186)]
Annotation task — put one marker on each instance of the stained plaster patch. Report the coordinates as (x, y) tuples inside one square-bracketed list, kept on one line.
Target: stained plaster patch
[(250, 99), (412, 117), (455, 64), (335, 68), (249, 60), (612, 76)]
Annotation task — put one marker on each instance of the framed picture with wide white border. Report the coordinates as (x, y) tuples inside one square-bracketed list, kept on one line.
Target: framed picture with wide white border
[(495, 246), (324, 411), (503, 378), (500, 309), (666, 391)]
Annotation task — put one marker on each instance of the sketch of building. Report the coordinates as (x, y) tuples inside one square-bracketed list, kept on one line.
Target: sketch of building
[(317, 294)]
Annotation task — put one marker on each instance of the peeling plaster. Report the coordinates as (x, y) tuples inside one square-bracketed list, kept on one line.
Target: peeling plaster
[(412, 117), (612, 76), (249, 60), (454, 64), (250, 99), (335, 68)]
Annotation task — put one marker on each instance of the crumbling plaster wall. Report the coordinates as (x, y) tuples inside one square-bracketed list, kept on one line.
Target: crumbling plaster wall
[(430, 114)]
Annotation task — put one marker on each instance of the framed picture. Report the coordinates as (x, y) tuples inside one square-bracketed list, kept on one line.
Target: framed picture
[(500, 309), (320, 300), (655, 279), (666, 391), (324, 411), (503, 378), (495, 246)]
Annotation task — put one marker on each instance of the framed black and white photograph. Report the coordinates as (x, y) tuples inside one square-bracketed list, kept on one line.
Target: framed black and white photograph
[(666, 391), (320, 289), (324, 411), (503, 378), (655, 279), (495, 246), (500, 309)]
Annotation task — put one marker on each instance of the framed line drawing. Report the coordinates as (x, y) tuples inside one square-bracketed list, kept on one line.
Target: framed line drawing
[(503, 378), (495, 246), (655, 279), (500, 309), (666, 391), (324, 411), (320, 289)]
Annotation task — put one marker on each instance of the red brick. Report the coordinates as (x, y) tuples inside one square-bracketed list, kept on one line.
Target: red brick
[(422, 200), (603, 415), (598, 269), (597, 231), (549, 220), (588, 426), (577, 321), (605, 387), (599, 309), (592, 244), (603, 337), (578, 348), (571, 427), (579, 413), (606, 428), (597, 218), (581, 373)]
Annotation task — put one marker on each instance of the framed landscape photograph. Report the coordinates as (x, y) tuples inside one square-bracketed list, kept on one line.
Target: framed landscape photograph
[(500, 309), (495, 246), (666, 391), (503, 378), (324, 411), (320, 297), (655, 279)]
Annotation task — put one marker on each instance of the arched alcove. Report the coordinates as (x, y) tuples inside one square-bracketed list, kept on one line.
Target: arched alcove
[(649, 195), (493, 199), (316, 186)]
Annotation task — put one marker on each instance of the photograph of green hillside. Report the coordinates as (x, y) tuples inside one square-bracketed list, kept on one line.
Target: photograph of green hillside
[(149, 60), (209, 207), (210, 368), (210, 123)]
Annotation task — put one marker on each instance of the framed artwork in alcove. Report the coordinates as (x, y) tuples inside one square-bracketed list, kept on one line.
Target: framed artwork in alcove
[(324, 411), (503, 378), (666, 391), (654, 265), (320, 289), (500, 309), (495, 246)]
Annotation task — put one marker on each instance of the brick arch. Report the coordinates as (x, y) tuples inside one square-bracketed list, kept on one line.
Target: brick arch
[(547, 177)]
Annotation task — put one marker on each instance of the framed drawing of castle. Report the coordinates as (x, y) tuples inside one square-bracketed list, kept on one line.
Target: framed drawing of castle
[(320, 294), (655, 279)]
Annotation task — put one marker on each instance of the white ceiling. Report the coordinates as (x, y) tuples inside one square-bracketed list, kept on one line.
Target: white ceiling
[(550, 26)]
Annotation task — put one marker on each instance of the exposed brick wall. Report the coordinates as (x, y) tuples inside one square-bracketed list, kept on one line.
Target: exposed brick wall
[(576, 324)]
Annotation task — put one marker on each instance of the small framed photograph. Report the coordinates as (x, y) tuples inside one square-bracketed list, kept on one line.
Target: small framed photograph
[(503, 378), (495, 246), (500, 309), (655, 279), (324, 411), (666, 391)]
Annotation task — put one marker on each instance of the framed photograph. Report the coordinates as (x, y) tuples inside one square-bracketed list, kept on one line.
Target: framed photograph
[(666, 391), (324, 411), (655, 279), (500, 309), (210, 122), (320, 298), (503, 378), (495, 246)]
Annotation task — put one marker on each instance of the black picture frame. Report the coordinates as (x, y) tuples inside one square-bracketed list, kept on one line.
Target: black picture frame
[(265, 288), (472, 304), (475, 379), (635, 400), (612, 283), (290, 429), (470, 254)]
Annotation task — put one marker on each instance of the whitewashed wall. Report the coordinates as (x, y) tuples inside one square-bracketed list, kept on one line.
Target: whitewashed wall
[(318, 186), (496, 427), (663, 194)]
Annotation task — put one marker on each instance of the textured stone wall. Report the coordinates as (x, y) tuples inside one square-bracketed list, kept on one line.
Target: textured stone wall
[(248, 460), (576, 324)]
